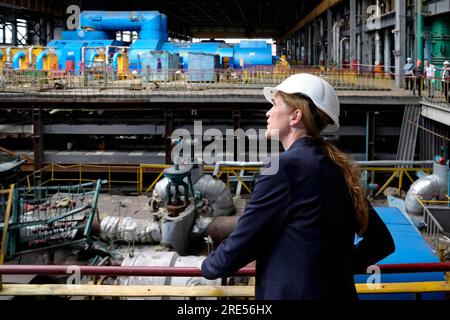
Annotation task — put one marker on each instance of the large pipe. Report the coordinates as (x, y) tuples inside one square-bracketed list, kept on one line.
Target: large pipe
[(427, 188), (17, 57), (341, 51), (147, 23), (40, 59), (377, 48), (186, 271)]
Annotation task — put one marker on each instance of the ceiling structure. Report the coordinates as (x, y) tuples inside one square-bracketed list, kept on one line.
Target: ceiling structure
[(188, 18), (217, 18)]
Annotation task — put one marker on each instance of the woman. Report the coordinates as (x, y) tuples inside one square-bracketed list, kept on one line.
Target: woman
[(301, 222)]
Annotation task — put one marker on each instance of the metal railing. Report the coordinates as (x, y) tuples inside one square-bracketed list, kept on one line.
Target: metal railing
[(434, 229), (177, 82), (246, 291), (144, 184)]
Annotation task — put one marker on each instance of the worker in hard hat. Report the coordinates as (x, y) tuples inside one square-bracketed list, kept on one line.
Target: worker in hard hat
[(408, 70), (300, 223), (445, 78)]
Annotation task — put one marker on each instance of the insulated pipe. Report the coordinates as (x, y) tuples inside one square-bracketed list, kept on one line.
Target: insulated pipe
[(40, 59), (16, 59), (377, 48), (30, 55), (185, 271), (341, 51), (8, 54), (427, 188), (334, 40)]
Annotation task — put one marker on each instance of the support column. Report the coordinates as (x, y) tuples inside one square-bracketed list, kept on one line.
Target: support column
[(365, 41), (14, 39), (352, 47), (329, 36), (400, 40), (309, 45), (38, 135), (168, 121), (387, 50), (370, 136)]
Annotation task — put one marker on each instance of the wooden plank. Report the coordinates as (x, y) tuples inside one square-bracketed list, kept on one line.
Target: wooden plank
[(126, 291), (193, 291), (406, 287)]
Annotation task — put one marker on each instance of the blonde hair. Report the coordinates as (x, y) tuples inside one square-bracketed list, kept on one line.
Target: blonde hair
[(313, 126)]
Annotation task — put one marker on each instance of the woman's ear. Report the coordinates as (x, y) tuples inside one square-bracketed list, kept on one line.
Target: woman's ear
[(297, 116)]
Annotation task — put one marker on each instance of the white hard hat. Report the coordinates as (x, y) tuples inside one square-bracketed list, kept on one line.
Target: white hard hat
[(408, 59), (315, 88), (446, 62)]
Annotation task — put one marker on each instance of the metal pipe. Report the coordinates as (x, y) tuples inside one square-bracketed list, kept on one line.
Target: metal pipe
[(419, 28), (341, 50), (377, 48), (427, 188), (387, 50), (30, 55), (382, 163), (187, 271), (234, 164)]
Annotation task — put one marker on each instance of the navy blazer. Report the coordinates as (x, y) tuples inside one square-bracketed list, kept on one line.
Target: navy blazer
[(299, 226)]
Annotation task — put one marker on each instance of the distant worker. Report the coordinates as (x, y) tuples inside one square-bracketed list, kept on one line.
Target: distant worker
[(158, 65), (418, 74), (408, 69), (445, 79), (430, 74), (301, 221)]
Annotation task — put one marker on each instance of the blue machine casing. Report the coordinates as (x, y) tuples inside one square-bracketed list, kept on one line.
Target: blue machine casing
[(410, 247)]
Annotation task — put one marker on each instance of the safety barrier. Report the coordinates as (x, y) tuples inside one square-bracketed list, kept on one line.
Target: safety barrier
[(192, 291), (435, 229), (180, 83), (56, 173), (232, 174)]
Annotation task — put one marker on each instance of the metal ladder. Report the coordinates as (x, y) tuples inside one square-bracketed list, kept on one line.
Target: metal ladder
[(408, 133)]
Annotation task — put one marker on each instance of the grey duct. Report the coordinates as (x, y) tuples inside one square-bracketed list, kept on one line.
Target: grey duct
[(130, 229), (427, 188)]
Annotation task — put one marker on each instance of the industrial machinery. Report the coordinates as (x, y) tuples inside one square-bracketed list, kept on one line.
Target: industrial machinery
[(186, 204), (49, 217), (95, 41)]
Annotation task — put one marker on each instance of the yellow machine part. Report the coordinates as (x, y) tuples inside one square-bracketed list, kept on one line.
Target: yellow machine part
[(122, 65), (3, 57), (100, 57), (50, 62), (35, 52)]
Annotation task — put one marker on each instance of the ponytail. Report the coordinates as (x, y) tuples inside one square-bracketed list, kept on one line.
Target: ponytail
[(352, 175), (314, 123)]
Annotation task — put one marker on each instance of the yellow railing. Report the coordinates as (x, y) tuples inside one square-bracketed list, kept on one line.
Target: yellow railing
[(143, 170), (399, 173), (195, 291)]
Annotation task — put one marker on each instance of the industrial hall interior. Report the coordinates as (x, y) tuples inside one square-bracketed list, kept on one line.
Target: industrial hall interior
[(133, 134)]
